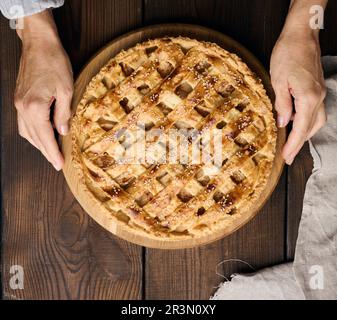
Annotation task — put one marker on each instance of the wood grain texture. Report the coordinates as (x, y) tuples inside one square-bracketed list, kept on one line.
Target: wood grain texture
[(86, 26), (256, 24), (45, 230), (192, 273), (65, 255)]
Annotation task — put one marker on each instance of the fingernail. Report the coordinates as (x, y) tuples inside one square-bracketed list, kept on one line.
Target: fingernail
[(280, 122), (64, 129)]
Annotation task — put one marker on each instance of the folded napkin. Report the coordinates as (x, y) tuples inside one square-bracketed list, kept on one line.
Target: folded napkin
[(313, 274)]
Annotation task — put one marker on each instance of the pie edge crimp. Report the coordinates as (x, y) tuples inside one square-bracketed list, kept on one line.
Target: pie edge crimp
[(94, 83)]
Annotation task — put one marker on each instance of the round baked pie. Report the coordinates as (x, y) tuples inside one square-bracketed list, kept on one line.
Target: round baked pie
[(175, 138)]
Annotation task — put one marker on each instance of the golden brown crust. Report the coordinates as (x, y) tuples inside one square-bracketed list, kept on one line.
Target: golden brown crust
[(182, 83)]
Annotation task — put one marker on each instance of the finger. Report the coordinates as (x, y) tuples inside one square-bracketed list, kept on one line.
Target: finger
[(62, 110), (308, 95), (294, 144), (42, 134), (35, 140), (293, 155), (292, 117), (319, 121), (299, 147), (298, 135), (283, 104), (31, 118), (23, 131), (45, 134), (36, 116)]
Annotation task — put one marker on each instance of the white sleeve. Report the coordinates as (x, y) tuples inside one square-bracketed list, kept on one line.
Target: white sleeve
[(15, 9)]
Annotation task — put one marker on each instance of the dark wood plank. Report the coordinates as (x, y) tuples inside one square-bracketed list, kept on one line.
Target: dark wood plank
[(86, 26), (65, 255), (195, 273), (328, 34), (254, 23), (298, 175)]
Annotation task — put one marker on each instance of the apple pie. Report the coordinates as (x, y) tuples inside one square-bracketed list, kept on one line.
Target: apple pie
[(175, 138)]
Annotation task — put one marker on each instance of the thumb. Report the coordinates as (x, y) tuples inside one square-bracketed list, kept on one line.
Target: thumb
[(62, 112), (283, 105)]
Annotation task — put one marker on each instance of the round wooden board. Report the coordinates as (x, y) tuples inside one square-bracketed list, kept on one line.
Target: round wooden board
[(99, 213)]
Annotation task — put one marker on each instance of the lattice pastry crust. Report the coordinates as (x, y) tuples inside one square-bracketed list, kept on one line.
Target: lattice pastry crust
[(174, 83)]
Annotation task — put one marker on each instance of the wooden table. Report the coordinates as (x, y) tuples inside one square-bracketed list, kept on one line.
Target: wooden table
[(66, 255)]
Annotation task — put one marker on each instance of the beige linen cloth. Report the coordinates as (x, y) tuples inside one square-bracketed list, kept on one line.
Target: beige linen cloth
[(313, 274)]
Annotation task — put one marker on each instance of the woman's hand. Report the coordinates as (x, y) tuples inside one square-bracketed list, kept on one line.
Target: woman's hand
[(45, 76), (297, 79)]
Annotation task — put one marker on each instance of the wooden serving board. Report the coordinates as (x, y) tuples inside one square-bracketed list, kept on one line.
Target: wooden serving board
[(99, 213)]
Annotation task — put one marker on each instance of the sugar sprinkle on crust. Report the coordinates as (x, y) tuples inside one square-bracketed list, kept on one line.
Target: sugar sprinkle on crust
[(166, 83)]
